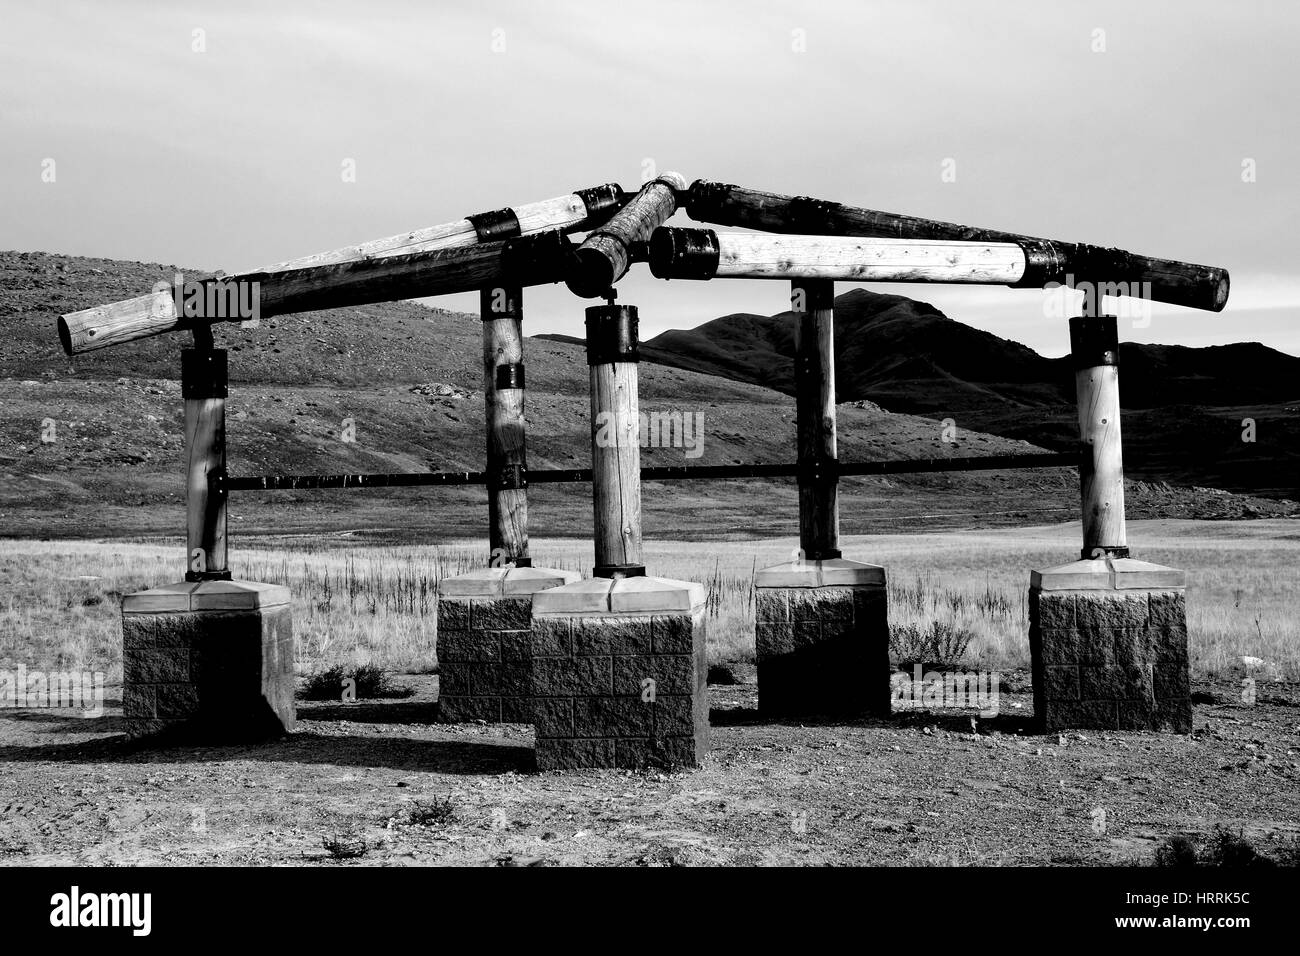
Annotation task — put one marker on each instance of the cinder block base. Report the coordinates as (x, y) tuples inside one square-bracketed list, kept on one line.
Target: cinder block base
[(822, 637), (1108, 647), (484, 659), (210, 660), (619, 674)]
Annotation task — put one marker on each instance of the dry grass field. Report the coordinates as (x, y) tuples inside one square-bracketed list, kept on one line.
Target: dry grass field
[(366, 604)]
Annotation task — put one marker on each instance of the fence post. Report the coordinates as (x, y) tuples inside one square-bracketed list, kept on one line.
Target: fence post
[(484, 651), (204, 387), (821, 627), (612, 356), (207, 658), (1107, 633), (619, 661), (501, 310), (813, 302), (1094, 350)]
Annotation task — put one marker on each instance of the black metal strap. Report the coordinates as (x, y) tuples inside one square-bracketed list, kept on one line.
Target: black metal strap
[(1094, 341), (532, 260), (612, 334), (203, 373), (677, 253), (496, 225), (1114, 551), (510, 375), (705, 202), (618, 571), (818, 471), (601, 202), (510, 475)]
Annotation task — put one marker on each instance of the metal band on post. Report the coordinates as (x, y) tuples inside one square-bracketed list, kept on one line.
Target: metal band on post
[(615, 440)]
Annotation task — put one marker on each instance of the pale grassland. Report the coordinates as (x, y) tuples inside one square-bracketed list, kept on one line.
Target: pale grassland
[(59, 600)]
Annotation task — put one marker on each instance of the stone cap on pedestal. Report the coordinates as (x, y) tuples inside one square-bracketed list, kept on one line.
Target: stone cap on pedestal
[(206, 596), (1102, 574), (833, 572), (604, 596), (504, 582)]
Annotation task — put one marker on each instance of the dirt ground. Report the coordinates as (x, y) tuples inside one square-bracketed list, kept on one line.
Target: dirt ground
[(381, 784)]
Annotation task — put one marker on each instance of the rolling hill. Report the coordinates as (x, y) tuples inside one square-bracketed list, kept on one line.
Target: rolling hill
[(1184, 406), (409, 378)]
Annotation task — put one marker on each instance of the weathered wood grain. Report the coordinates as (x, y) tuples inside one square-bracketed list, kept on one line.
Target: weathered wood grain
[(501, 310), (1178, 283), (813, 303), (604, 256)]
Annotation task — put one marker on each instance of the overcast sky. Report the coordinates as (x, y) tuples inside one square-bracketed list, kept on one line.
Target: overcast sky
[(1135, 124)]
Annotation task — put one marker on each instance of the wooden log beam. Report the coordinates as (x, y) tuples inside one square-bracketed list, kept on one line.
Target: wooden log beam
[(813, 301), (528, 260), (1176, 283), (604, 256), (1094, 350), (501, 309), (705, 254), (578, 211), (615, 440), (203, 390)]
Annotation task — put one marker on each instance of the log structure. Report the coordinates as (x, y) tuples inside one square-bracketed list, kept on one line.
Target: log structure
[(1177, 283), (604, 256), (611, 670)]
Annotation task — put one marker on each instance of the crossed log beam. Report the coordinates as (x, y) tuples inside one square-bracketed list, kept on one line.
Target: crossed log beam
[(811, 243)]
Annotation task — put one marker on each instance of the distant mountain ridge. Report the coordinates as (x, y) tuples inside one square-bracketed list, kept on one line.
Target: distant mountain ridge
[(907, 356)]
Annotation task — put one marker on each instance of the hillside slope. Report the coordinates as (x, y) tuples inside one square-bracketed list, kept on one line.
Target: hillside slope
[(1184, 406), (114, 465)]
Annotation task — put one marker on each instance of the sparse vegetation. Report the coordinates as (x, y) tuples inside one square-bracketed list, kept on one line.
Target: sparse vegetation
[(345, 846), (368, 682), (1225, 849), (60, 601), (433, 813), (942, 645)]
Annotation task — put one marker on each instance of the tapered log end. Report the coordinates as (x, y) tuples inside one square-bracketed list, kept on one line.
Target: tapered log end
[(65, 335), (590, 274)]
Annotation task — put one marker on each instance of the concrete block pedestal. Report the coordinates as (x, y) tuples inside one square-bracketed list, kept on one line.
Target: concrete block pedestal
[(484, 657), (619, 674), (1108, 646), (208, 660), (822, 637)]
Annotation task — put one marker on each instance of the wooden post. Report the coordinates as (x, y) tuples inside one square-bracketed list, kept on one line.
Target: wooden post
[(503, 397), (204, 390), (813, 301), (615, 440), (1094, 347)]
